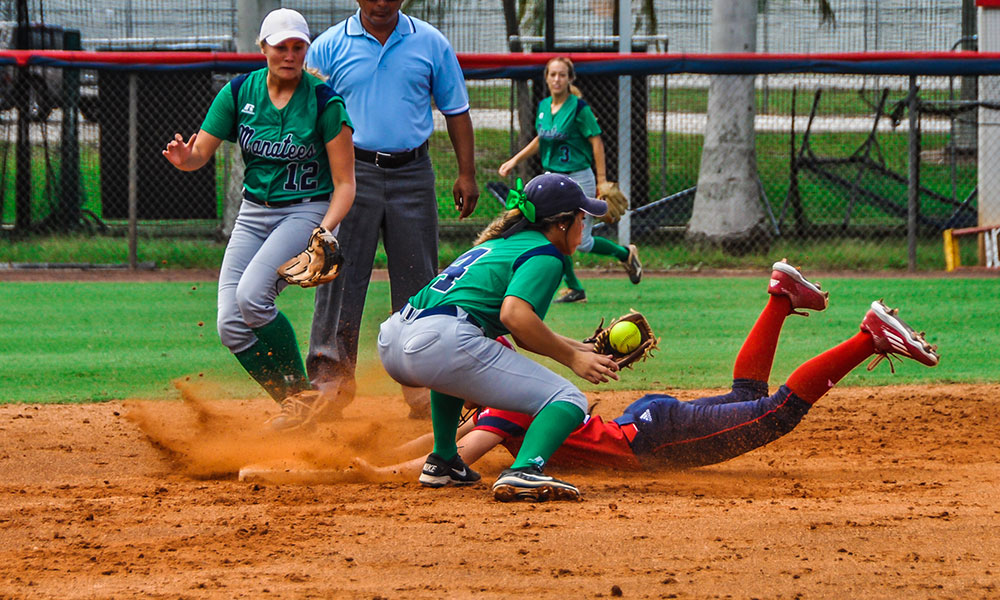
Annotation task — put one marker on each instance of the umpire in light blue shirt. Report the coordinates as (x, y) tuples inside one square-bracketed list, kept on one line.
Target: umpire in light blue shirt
[(388, 67)]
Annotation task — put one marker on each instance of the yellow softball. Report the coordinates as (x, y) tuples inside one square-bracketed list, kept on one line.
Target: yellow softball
[(625, 337)]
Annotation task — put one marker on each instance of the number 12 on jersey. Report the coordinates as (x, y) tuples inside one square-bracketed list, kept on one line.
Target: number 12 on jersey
[(457, 269), (301, 179)]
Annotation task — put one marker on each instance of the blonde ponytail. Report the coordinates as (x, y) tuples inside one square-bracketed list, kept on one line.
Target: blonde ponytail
[(509, 219), (499, 225)]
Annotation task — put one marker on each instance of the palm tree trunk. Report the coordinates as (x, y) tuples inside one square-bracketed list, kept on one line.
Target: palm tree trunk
[(727, 209)]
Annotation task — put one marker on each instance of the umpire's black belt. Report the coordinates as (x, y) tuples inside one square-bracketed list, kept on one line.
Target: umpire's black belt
[(390, 160), (251, 198), (409, 311)]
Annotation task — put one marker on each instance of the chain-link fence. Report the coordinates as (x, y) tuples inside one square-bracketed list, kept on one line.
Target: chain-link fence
[(841, 173), (832, 156), (479, 25)]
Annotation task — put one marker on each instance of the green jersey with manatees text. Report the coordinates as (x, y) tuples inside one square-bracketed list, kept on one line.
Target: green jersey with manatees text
[(284, 150), (564, 137), (525, 265)]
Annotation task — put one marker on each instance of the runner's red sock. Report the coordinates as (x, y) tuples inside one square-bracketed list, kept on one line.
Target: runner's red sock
[(757, 354), (817, 375)]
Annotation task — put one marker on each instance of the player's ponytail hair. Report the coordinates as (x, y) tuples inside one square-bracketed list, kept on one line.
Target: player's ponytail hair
[(498, 226), (569, 69), (513, 221)]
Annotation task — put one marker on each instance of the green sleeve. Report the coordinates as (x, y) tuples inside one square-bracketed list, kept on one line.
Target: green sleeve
[(221, 118), (536, 281), (586, 122), (333, 117)]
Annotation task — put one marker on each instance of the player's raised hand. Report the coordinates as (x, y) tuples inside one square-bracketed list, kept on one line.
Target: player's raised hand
[(595, 368), (178, 151), (507, 167)]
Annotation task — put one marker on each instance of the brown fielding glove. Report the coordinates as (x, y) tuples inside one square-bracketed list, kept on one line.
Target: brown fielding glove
[(617, 202), (602, 340), (319, 263)]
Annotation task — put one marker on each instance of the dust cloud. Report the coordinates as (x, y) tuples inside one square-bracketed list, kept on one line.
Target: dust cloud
[(209, 436)]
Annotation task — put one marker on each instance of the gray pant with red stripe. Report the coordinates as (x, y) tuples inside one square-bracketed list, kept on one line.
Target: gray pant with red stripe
[(713, 429)]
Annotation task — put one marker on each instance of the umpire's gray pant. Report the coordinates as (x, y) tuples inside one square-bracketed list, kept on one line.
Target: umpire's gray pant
[(401, 205)]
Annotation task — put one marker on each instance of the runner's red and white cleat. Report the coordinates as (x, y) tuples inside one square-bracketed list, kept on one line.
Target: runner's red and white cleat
[(893, 337), (786, 280)]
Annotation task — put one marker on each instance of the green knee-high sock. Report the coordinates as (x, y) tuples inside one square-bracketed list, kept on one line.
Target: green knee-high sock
[(571, 281), (446, 411), (606, 247), (279, 336), (257, 360), (547, 432)]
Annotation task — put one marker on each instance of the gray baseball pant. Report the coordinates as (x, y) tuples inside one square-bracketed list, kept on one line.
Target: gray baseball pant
[(451, 355), (262, 239)]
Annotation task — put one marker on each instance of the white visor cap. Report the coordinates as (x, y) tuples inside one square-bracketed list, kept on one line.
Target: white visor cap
[(283, 24)]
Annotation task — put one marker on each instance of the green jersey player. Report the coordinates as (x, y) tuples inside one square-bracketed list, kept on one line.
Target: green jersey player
[(444, 338), (569, 142), (295, 137)]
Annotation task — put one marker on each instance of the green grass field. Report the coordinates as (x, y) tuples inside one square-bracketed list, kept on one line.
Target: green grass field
[(91, 342)]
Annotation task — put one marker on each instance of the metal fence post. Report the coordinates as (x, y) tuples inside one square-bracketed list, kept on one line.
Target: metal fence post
[(913, 185), (69, 149), (133, 209), (989, 120), (22, 178), (625, 120)]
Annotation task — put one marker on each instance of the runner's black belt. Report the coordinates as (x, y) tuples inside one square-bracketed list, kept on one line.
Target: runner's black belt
[(390, 160)]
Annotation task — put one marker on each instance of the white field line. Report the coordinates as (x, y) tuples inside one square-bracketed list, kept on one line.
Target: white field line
[(694, 123)]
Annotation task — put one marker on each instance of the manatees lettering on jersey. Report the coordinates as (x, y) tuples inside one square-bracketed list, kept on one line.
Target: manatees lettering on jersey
[(284, 150)]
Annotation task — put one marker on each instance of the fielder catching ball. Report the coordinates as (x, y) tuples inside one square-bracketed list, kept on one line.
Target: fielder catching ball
[(659, 430), (444, 339), (295, 138)]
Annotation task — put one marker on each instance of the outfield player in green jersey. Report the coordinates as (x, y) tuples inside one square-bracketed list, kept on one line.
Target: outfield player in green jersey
[(569, 141), (295, 138), (444, 338)]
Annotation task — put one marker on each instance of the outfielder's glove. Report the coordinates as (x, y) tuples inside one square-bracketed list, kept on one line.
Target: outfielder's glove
[(602, 342), (319, 263), (617, 202)]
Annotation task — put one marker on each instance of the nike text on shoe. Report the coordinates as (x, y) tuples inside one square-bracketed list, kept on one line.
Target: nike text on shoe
[(632, 265), (786, 280), (438, 472), (569, 296), (299, 411), (528, 483), (894, 337)]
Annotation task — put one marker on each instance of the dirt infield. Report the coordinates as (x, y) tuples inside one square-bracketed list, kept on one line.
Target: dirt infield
[(879, 493)]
